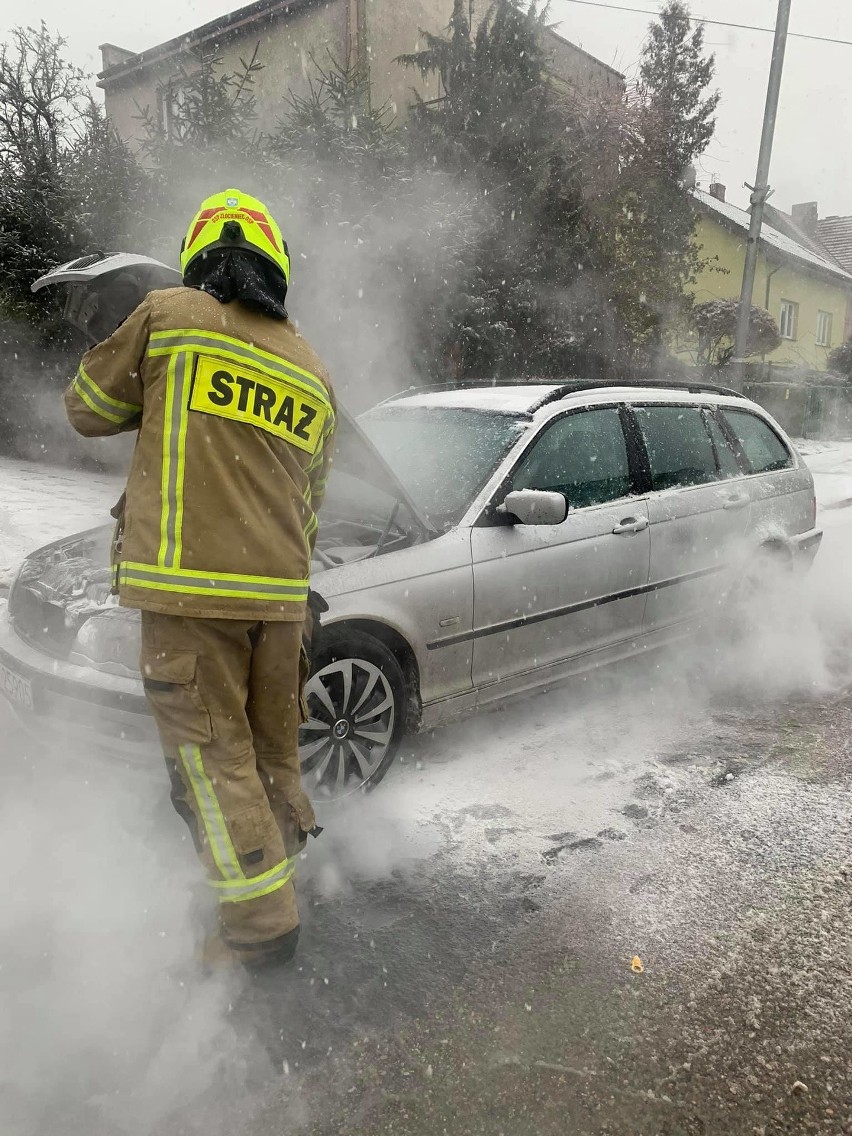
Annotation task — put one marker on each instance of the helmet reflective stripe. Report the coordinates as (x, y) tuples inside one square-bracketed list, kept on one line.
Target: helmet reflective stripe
[(264, 223), (200, 221), (250, 227)]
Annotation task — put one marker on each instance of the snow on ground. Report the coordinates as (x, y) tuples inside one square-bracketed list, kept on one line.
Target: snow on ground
[(41, 503), (831, 465)]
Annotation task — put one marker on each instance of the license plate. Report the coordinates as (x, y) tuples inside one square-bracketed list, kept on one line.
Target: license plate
[(16, 688)]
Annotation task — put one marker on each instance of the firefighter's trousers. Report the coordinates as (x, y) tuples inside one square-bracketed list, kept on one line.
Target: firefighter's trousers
[(226, 697)]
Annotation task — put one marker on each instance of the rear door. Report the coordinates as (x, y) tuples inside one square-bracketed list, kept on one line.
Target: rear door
[(544, 595), (698, 506), (781, 490)]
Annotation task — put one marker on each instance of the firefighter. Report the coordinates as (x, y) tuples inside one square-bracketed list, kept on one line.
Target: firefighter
[(236, 416)]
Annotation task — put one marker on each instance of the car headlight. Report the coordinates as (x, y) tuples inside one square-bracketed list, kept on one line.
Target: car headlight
[(30, 570), (109, 641)]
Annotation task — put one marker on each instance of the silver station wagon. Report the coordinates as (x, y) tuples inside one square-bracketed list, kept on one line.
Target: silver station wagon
[(477, 542)]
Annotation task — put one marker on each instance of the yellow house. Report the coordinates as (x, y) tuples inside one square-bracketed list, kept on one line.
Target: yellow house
[(798, 281)]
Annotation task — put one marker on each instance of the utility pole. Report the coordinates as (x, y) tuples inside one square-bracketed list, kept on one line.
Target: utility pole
[(760, 191)]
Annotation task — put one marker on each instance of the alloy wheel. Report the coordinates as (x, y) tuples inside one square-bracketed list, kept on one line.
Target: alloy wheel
[(351, 719)]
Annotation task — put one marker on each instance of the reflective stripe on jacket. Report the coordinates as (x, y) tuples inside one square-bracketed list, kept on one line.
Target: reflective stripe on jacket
[(236, 417)]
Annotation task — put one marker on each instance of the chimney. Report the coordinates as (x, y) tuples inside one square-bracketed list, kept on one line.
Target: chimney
[(717, 190), (111, 55), (806, 216)]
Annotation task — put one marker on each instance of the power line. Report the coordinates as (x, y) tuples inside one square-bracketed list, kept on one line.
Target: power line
[(702, 20)]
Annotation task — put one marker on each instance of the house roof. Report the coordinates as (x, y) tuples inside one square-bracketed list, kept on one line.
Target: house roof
[(771, 237), (784, 223), (245, 17), (259, 11), (836, 234), (581, 51)]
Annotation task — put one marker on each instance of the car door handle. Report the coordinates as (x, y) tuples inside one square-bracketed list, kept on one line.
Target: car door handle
[(631, 525), (737, 501)]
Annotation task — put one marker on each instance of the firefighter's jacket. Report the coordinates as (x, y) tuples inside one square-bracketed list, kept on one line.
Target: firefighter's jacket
[(235, 416)]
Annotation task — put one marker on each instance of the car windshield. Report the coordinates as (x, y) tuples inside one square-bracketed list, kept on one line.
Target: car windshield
[(442, 456)]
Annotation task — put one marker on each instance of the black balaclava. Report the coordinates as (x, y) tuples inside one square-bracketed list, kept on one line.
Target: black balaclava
[(236, 274)]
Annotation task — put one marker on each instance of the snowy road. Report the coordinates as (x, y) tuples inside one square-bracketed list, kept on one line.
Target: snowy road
[(573, 831), (40, 503)]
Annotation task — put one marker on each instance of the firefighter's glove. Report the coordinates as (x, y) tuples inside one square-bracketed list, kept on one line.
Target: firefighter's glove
[(297, 822), (317, 607)]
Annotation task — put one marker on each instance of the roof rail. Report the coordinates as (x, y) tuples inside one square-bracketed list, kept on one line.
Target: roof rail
[(654, 384), (561, 388)]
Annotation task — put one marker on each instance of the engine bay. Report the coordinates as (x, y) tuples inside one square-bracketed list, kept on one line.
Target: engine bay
[(62, 601)]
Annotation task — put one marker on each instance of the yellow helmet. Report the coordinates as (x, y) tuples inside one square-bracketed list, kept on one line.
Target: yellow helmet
[(235, 220)]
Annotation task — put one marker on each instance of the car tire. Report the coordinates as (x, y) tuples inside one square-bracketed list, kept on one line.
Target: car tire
[(738, 620), (356, 697)]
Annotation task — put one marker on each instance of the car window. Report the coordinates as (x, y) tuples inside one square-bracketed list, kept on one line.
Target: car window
[(443, 456), (679, 448), (763, 448), (728, 463), (581, 455)]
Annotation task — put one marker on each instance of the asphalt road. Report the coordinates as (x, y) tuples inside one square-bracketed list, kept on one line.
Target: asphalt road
[(469, 928)]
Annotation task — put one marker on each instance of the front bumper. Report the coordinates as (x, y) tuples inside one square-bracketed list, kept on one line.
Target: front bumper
[(71, 707)]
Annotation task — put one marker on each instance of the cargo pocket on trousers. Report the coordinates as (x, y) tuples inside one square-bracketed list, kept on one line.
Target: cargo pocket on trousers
[(172, 692), (297, 823), (254, 835)]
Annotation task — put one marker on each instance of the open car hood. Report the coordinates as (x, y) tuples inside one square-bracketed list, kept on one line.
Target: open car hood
[(103, 289)]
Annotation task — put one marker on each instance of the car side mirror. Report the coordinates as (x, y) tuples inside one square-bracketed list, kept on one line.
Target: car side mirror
[(535, 507)]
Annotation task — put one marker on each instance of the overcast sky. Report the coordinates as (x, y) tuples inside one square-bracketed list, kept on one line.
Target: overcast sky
[(811, 160)]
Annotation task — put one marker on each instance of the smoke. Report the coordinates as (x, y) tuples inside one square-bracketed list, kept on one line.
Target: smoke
[(108, 1024), (790, 635), (363, 263), (33, 426), (569, 758)]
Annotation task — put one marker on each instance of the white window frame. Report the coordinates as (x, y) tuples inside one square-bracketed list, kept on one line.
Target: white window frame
[(824, 328), (788, 322), (172, 96)]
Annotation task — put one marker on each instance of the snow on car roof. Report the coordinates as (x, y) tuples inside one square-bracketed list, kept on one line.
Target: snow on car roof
[(544, 399), (501, 399)]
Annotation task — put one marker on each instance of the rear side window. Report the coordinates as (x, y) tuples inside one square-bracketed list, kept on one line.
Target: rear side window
[(679, 448), (762, 446), (728, 464), (581, 455)]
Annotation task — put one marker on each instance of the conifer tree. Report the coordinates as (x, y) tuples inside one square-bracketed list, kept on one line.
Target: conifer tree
[(649, 221), (676, 114), (531, 302), (66, 181)]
